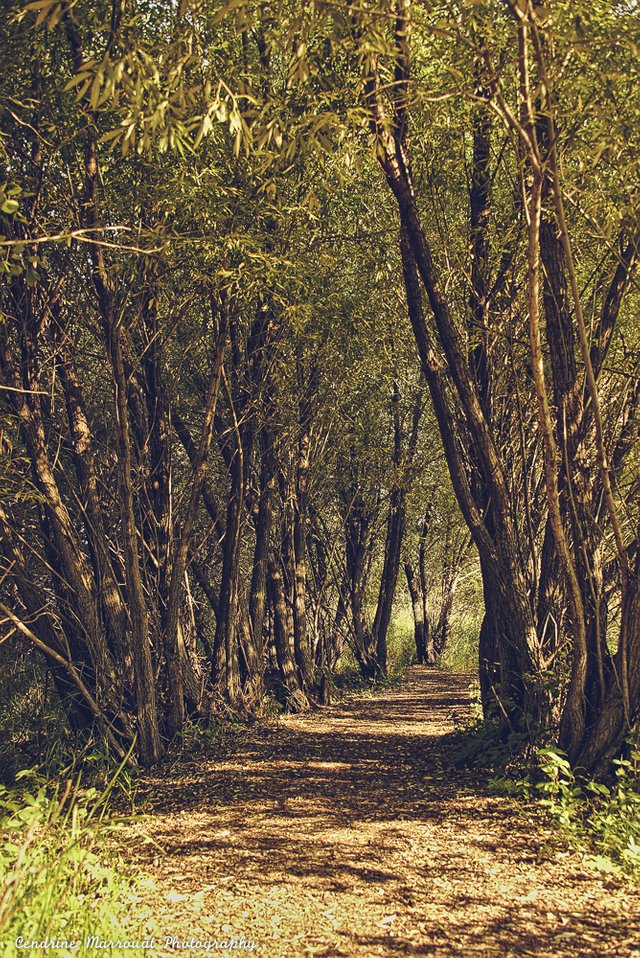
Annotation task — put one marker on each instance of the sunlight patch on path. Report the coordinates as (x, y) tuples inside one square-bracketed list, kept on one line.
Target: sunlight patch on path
[(345, 832)]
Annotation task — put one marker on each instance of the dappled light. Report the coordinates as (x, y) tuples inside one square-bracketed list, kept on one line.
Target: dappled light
[(320, 478), (346, 831)]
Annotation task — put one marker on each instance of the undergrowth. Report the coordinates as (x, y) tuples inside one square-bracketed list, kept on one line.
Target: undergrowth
[(59, 882), (402, 651), (30, 717), (606, 817), (461, 652), (600, 818)]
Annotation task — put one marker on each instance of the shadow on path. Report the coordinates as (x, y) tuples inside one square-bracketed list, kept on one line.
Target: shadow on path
[(347, 831)]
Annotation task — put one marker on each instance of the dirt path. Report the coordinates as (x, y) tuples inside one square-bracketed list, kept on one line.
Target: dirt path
[(346, 833)]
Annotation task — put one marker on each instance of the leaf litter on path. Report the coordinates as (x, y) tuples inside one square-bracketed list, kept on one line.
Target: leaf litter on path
[(347, 831)]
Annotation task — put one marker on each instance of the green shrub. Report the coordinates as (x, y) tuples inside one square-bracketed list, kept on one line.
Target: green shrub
[(482, 744), (401, 653), (607, 817)]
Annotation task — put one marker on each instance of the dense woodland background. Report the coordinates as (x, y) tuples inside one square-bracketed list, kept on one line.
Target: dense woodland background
[(314, 316)]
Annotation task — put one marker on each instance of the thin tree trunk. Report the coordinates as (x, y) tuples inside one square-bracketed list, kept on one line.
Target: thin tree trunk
[(174, 649), (418, 613), (150, 748), (296, 696)]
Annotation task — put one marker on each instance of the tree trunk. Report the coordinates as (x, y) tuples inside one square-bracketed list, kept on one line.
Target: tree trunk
[(419, 622), (295, 694), (224, 675), (389, 578)]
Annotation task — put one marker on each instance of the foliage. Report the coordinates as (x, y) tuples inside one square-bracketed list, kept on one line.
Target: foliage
[(216, 433), (601, 819), (484, 745), (58, 878), (401, 645), (461, 652), (402, 652), (604, 816), (29, 721)]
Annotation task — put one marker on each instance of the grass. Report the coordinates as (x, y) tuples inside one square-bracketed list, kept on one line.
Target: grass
[(60, 878), (402, 649), (401, 653), (461, 654)]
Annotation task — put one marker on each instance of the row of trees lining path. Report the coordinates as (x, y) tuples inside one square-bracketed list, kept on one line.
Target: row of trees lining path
[(283, 289), (347, 832)]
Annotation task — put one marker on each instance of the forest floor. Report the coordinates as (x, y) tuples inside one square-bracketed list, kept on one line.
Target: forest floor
[(347, 832)]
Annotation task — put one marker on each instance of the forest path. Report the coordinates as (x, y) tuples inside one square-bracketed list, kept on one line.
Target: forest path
[(346, 832)]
